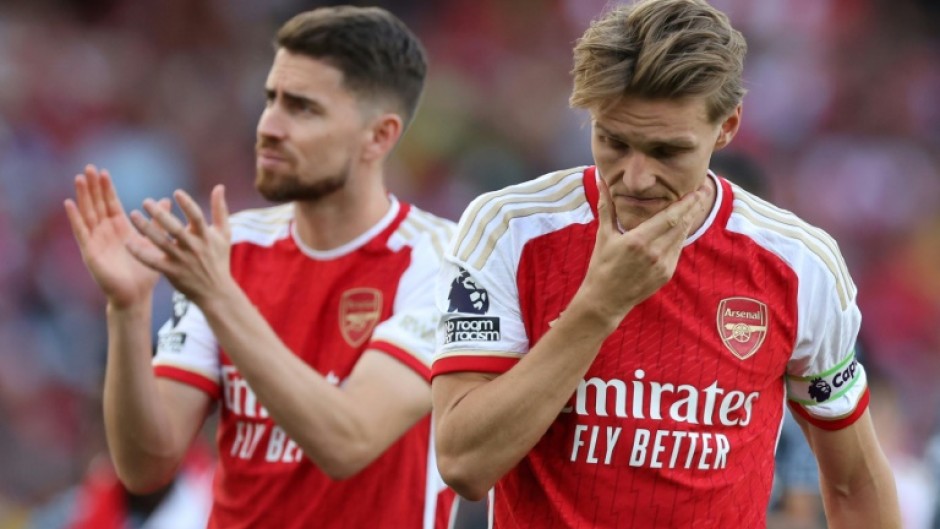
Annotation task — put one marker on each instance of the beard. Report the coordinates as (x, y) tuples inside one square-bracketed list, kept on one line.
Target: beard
[(288, 187)]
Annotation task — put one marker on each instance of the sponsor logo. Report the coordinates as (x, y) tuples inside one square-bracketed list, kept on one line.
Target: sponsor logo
[(819, 390), (642, 399), (742, 325), (180, 306), (466, 296), (678, 405), (471, 330), (359, 312), (172, 342)]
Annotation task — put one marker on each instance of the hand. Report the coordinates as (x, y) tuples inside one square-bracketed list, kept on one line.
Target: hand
[(627, 268), (101, 229), (194, 257)]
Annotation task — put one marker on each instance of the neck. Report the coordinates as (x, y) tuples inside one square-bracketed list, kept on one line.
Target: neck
[(339, 218)]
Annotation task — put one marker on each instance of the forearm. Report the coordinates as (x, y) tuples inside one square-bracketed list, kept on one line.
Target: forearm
[(483, 434), (316, 415), (140, 438), (871, 501), (854, 475)]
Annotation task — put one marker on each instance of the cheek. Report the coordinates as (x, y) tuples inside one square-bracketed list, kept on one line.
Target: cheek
[(604, 157), (691, 173)]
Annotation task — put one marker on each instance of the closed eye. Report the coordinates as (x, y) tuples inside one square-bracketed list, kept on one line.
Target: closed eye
[(611, 142)]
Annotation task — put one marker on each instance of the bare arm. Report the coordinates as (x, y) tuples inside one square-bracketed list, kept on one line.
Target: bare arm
[(341, 429), (857, 485), (149, 424), (485, 425)]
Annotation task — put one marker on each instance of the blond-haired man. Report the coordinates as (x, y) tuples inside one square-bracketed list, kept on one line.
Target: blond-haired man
[(618, 340)]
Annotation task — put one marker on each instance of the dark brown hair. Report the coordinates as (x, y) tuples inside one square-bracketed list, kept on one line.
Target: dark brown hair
[(378, 55)]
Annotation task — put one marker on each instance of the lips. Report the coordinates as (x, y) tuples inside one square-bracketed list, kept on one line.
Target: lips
[(268, 158), (640, 201)]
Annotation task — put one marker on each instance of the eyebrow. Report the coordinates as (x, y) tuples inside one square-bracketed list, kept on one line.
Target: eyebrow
[(293, 98), (676, 142)]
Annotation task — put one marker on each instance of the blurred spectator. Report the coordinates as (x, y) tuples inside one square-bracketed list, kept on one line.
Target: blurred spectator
[(100, 500), (796, 501), (917, 490)]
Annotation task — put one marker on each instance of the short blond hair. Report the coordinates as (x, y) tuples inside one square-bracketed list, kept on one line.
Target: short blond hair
[(660, 49)]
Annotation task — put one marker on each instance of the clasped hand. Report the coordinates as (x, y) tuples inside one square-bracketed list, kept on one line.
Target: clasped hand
[(194, 256), (628, 267)]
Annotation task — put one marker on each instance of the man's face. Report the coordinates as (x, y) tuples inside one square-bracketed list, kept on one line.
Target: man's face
[(310, 133), (652, 152)]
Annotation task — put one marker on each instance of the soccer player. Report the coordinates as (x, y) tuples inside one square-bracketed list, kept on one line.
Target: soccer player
[(311, 324), (618, 340)]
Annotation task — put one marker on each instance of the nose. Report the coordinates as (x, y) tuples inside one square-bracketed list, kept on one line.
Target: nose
[(271, 123), (636, 171)]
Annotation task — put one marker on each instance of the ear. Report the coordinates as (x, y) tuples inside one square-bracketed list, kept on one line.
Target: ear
[(382, 135), (729, 127)]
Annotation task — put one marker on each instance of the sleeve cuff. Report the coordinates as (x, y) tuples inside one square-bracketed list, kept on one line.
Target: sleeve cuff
[(189, 378), (481, 364), (833, 424), (404, 357)]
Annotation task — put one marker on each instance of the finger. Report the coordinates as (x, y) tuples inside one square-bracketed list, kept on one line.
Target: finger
[(79, 229), (113, 206), (94, 187), (192, 211), (168, 222), (83, 200), (151, 230), (678, 216), (606, 211), (696, 206), (164, 204), (148, 256), (220, 211)]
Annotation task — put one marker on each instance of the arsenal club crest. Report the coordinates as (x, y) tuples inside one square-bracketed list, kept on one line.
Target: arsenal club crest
[(742, 325), (359, 312)]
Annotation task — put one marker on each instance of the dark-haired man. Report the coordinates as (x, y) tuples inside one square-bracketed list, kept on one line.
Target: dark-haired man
[(310, 323)]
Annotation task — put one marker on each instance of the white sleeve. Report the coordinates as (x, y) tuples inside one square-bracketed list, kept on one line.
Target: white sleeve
[(481, 327), (824, 378), (408, 334), (480, 310), (186, 347)]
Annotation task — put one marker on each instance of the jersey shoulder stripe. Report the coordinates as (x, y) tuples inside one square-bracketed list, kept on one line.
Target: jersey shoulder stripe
[(488, 217), (418, 223), (262, 226), (763, 215)]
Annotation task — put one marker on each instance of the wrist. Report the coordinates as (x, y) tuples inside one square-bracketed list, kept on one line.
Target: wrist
[(132, 314), (227, 294), (141, 306), (594, 315)]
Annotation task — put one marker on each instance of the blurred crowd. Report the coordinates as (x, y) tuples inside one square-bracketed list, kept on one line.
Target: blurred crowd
[(841, 125)]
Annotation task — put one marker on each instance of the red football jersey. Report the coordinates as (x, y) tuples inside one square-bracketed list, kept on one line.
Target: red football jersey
[(676, 422), (328, 308)]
